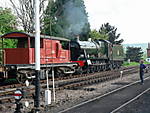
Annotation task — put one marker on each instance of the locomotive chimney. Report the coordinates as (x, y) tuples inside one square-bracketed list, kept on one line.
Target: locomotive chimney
[(77, 38)]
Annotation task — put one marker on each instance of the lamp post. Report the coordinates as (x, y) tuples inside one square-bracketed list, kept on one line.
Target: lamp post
[(37, 58)]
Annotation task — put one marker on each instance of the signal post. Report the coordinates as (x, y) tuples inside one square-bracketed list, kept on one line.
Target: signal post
[(37, 58)]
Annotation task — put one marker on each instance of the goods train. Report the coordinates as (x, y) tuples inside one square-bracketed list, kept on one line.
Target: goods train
[(64, 56)]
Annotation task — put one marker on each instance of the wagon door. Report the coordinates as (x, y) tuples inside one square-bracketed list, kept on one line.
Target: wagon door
[(50, 51)]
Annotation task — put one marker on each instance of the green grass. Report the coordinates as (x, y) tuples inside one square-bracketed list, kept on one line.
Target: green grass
[(146, 62), (130, 64), (133, 63)]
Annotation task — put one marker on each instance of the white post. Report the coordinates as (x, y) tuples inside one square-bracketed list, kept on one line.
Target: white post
[(53, 83), (47, 92), (37, 36), (121, 73), (47, 80), (37, 58)]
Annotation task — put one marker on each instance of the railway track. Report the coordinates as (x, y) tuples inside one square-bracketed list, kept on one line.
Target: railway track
[(70, 82), (115, 101), (131, 100)]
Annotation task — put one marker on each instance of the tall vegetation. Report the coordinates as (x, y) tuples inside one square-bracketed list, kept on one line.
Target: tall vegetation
[(66, 18), (95, 35), (106, 32), (7, 21), (134, 54), (111, 32)]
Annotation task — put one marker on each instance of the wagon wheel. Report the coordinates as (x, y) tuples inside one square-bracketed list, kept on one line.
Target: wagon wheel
[(59, 73), (21, 78)]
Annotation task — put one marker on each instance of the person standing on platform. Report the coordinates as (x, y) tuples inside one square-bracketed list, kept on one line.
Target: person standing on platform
[(142, 67)]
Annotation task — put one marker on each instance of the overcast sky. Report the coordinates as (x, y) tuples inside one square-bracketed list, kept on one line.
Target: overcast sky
[(131, 17)]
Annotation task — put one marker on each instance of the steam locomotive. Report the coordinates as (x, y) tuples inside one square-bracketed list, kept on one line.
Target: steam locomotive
[(97, 55), (64, 56)]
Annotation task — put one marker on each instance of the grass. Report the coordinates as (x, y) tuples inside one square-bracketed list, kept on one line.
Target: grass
[(133, 63), (130, 64)]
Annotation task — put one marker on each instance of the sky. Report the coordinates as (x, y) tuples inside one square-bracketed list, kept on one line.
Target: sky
[(130, 17)]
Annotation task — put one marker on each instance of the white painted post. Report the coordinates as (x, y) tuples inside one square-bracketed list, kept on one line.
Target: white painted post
[(47, 92), (37, 36), (121, 73), (37, 58), (53, 83)]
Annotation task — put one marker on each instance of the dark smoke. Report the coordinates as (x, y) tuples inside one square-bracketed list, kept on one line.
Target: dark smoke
[(76, 18)]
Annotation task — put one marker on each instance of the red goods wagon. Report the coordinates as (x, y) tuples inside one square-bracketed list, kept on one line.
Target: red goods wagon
[(51, 50), (21, 57)]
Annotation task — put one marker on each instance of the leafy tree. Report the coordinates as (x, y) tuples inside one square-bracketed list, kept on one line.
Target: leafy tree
[(66, 18), (134, 53), (7, 21), (8, 24), (94, 34), (110, 31), (50, 26)]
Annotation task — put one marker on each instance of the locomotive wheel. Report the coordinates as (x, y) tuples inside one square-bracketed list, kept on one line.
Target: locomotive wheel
[(80, 71), (21, 77), (88, 70), (92, 70)]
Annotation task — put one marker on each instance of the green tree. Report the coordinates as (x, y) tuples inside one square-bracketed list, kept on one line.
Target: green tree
[(94, 34), (134, 53), (8, 24), (7, 21), (50, 26), (111, 32), (66, 18)]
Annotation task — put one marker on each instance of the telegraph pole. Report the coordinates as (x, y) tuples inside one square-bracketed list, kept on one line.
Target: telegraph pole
[(37, 58)]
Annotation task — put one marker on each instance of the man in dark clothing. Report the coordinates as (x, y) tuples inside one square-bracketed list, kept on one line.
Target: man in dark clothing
[(142, 67)]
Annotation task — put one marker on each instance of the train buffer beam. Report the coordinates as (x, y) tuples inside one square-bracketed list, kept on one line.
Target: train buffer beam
[(32, 77)]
